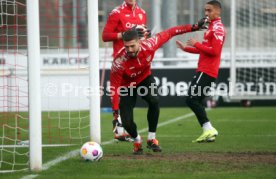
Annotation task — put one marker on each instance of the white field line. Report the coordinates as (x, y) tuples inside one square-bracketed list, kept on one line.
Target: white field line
[(43, 145), (74, 153), (169, 121), (30, 176)]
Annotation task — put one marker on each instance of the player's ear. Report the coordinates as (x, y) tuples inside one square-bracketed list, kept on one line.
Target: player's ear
[(218, 9)]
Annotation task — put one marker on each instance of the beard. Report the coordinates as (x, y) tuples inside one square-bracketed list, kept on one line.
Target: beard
[(132, 54)]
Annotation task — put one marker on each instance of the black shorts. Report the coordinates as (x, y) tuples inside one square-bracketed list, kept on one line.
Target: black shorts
[(200, 86), (147, 89)]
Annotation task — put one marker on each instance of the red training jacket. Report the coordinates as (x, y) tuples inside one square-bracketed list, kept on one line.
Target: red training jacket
[(127, 71), (210, 49), (120, 20)]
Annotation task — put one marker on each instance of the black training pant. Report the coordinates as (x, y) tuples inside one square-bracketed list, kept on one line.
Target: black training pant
[(198, 90), (128, 101)]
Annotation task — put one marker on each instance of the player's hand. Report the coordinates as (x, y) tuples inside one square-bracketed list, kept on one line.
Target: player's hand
[(142, 30), (201, 24), (180, 45), (191, 42), (115, 114), (147, 33)]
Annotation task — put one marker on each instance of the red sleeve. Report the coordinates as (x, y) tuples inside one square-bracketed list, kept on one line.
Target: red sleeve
[(109, 33), (115, 82), (191, 50), (217, 43), (162, 37)]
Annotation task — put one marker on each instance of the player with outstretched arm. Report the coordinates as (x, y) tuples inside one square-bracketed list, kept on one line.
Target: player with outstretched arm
[(131, 77), (208, 66)]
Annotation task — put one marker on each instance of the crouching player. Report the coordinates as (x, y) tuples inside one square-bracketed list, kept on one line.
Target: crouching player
[(131, 77)]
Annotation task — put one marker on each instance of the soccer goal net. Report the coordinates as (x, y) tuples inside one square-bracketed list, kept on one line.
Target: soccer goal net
[(13, 86), (253, 31), (65, 78), (65, 75)]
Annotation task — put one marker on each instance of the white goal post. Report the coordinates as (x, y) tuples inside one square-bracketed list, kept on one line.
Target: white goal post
[(94, 70), (33, 35)]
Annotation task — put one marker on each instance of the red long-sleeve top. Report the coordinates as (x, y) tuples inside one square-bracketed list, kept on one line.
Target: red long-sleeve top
[(210, 49), (121, 19), (127, 71)]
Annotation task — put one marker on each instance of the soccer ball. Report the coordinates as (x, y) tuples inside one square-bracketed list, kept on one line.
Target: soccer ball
[(91, 151)]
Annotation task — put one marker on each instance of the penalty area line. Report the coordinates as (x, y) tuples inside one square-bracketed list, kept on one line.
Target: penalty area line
[(74, 153)]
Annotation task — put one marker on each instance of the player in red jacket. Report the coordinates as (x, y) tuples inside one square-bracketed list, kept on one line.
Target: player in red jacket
[(208, 66), (121, 19), (131, 76)]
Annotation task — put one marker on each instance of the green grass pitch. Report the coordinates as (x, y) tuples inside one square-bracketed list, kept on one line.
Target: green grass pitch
[(245, 148)]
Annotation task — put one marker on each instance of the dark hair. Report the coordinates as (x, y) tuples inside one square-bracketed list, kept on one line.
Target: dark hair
[(130, 35), (214, 3)]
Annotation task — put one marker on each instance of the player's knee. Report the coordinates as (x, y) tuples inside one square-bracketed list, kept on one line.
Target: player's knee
[(193, 102), (190, 101), (154, 101)]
